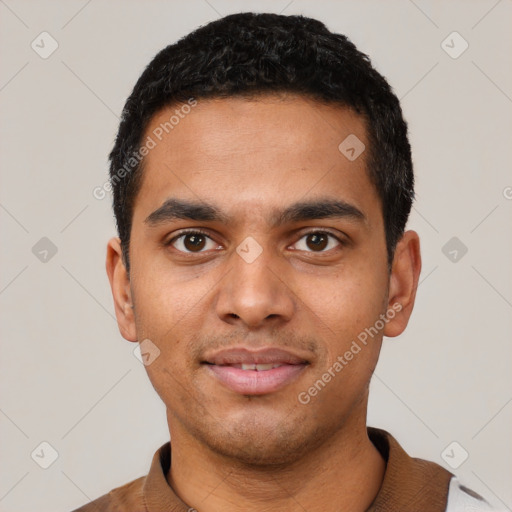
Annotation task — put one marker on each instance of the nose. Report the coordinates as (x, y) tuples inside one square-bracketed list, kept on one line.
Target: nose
[(255, 293)]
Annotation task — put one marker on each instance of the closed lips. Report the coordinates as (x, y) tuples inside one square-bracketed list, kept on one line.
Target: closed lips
[(254, 372), (261, 360)]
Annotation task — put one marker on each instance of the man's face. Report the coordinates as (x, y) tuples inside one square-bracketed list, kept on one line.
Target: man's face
[(255, 280)]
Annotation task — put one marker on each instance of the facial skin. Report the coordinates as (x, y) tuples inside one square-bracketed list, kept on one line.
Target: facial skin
[(251, 159)]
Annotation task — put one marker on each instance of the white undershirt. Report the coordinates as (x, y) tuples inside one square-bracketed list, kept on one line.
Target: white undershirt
[(460, 500)]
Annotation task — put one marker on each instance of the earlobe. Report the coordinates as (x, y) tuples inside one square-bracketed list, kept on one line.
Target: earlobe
[(121, 291), (403, 282)]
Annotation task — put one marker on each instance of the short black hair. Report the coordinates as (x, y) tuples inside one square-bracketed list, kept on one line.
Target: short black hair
[(247, 55)]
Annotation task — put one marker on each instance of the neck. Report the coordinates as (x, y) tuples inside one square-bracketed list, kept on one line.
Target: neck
[(344, 473)]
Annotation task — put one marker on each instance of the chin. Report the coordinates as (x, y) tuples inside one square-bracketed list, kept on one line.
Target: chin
[(262, 444)]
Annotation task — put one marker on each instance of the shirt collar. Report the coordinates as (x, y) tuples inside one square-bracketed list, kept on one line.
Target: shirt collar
[(409, 484)]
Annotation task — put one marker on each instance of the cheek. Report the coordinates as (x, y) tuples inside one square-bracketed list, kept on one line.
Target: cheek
[(345, 304), (169, 311), (165, 301)]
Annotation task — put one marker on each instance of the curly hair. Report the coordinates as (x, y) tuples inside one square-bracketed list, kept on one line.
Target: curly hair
[(247, 55)]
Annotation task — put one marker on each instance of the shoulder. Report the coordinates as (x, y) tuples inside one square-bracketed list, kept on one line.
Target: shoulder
[(126, 498), (462, 499)]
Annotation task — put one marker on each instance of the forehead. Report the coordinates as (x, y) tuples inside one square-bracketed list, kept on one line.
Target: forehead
[(259, 153)]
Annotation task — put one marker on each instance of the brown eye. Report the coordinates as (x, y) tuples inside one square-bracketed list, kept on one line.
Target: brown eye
[(192, 242), (317, 241)]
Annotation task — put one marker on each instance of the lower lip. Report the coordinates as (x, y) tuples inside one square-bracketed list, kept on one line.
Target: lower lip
[(253, 382)]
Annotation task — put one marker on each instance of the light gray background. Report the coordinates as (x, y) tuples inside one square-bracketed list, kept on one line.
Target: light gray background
[(68, 377)]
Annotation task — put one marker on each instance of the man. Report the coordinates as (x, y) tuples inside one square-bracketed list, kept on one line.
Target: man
[(262, 180)]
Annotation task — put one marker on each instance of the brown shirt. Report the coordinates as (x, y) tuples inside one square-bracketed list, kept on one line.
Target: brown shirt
[(409, 485)]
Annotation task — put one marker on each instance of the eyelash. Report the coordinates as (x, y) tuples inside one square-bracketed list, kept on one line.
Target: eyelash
[(199, 231)]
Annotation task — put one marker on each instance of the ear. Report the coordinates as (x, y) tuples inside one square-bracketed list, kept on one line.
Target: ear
[(121, 292), (403, 282)]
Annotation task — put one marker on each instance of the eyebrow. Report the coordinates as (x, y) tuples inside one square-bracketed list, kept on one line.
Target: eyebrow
[(174, 209)]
